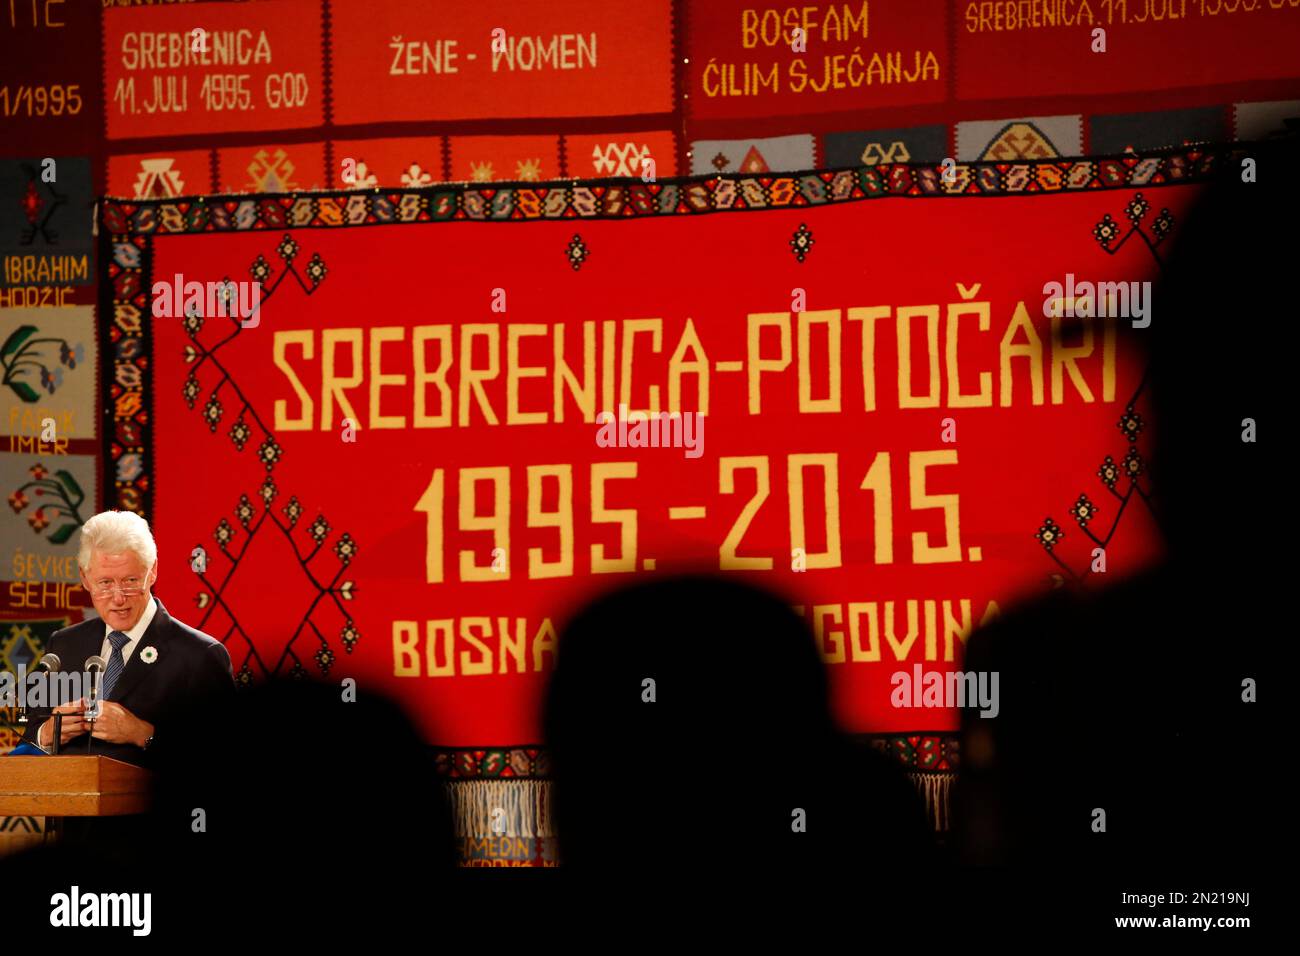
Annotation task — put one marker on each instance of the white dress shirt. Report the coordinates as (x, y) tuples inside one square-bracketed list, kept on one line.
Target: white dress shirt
[(137, 632)]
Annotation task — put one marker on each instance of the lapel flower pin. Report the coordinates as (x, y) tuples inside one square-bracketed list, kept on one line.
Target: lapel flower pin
[(148, 654)]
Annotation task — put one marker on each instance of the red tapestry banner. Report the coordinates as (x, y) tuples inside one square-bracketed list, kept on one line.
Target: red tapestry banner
[(498, 59), (749, 64), (51, 85), (1008, 49), (753, 60), (439, 419), (213, 68)]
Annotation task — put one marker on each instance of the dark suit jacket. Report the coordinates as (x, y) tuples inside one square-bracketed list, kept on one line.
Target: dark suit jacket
[(190, 680)]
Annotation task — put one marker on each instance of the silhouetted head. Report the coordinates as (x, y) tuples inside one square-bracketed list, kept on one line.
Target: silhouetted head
[(688, 722), (1219, 347), (1128, 699)]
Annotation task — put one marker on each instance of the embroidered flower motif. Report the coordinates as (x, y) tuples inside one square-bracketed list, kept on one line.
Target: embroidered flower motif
[(1164, 222), (415, 176), (191, 391), (148, 654), (244, 511), (38, 521), (269, 452), (240, 433), (319, 528), (212, 413), (228, 304), (224, 532), (345, 548), (18, 501), (1106, 231), (260, 270), (268, 491), (293, 510), (1083, 511), (316, 270), (38, 471), (71, 355), (365, 179), (349, 635), (1108, 472), (287, 248), (802, 242), (1137, 208), (1133, 463), (1049, 534), (1130, 424), (577, 252)]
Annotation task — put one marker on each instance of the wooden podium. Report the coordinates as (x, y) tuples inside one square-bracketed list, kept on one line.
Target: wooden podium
[(68, 786)]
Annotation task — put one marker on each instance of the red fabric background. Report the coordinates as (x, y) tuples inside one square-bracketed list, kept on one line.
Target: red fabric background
[(1016, 465)]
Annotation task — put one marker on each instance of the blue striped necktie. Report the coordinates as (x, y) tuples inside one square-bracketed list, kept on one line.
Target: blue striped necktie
[(116, 663)]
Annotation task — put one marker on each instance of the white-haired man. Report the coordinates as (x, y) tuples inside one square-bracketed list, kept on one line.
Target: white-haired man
[(160, 672)]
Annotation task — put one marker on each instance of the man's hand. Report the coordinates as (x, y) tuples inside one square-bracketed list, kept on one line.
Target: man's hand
[(74, 725), (117, 725)]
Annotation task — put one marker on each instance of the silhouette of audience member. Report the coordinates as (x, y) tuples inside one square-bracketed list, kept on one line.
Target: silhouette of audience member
[(314, 785), (708, 770), (319, 817), (1129, 700)]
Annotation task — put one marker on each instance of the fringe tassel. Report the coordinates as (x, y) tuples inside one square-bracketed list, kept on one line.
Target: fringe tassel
[(517, 808), (525, 805), (934, 788)]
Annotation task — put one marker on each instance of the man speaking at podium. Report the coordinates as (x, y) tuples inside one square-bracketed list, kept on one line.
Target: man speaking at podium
[(159, 673)]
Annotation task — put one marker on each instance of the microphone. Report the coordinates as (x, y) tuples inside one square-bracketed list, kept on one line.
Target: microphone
[(46, 665), (95, 668)]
